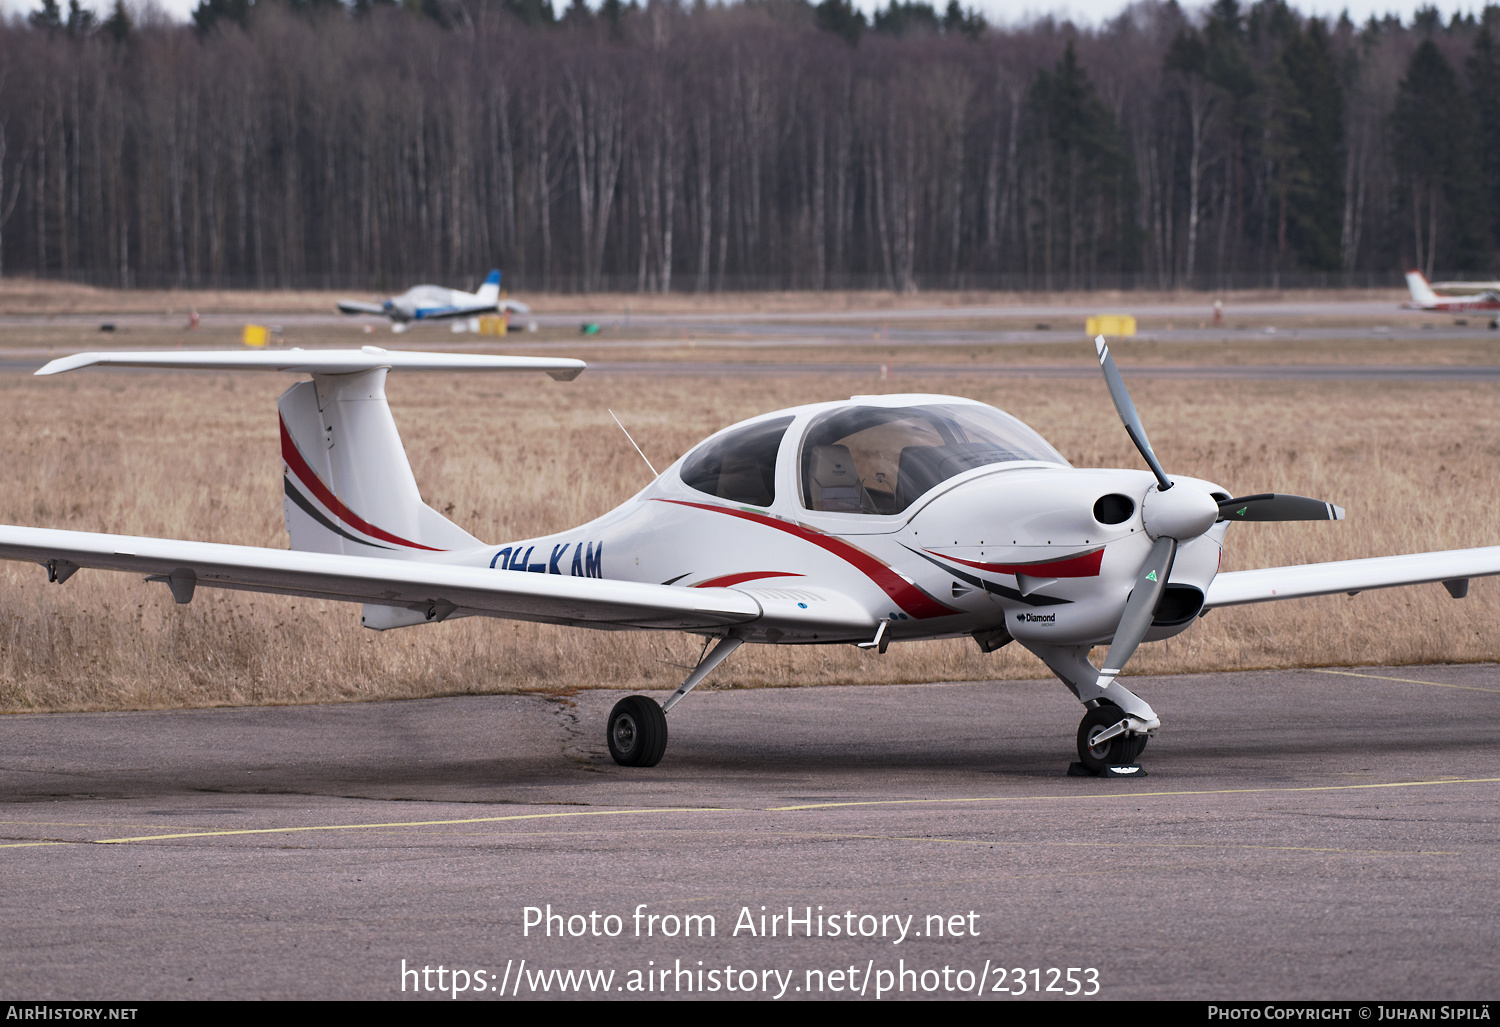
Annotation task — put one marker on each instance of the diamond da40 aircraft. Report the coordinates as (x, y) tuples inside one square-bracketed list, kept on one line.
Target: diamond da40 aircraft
[(437, 303), (865, 521)]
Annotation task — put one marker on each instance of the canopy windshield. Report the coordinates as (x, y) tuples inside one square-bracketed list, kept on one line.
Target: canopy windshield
[(879, 460)]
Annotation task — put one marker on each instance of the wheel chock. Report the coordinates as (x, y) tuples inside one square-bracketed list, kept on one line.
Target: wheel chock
[(1123, 770)]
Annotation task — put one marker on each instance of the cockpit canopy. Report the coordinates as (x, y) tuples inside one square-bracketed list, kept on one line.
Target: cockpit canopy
[(864, 459), (879, 460), (740, 465)]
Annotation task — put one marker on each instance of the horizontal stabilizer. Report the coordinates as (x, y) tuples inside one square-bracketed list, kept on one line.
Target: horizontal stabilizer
[(315, 361), (356, 307), (1320, 579)]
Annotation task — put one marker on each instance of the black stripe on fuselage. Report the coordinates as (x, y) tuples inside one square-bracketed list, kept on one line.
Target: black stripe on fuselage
[(306, 506), (991, 587)]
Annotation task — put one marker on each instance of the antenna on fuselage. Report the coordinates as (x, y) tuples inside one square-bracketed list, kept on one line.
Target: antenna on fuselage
[(633, 443)]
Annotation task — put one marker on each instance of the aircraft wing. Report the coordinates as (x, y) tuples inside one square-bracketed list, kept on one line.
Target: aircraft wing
[(356, 307), (442, 589), (438, 590), (1233, 588)]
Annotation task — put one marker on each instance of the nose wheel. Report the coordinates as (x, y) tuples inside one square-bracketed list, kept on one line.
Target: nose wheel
[(1100, 747), (637, 732)]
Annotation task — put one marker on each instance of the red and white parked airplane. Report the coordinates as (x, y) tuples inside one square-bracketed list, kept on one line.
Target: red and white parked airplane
[(1484, 298), (865, 521)]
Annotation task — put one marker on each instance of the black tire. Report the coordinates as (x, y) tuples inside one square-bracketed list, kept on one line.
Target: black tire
[(637, 732), (1118, 751)]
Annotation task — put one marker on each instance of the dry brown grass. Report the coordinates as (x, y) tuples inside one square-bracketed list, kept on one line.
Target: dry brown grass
[(22, 295), (194, 456)]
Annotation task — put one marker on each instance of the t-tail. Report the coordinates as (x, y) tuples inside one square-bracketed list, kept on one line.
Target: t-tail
[(489, 292), (349, 487), (1421, 293)]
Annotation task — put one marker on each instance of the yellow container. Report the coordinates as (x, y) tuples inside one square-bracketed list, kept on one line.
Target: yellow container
[(1110, 324), (493, 324), (255, 335)]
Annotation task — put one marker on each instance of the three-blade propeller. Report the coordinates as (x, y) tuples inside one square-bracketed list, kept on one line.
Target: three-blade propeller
[(1174, 515)]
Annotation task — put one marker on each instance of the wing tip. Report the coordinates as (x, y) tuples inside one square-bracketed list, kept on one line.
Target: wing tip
[(70, 363)]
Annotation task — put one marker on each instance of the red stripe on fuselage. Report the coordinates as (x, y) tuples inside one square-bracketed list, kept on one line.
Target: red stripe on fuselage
[(735, 579), (1084, 565), (305, 474), (906, 595)]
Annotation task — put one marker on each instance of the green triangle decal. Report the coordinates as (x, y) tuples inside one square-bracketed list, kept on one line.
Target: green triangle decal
[(1151, 576), (1241, 511)]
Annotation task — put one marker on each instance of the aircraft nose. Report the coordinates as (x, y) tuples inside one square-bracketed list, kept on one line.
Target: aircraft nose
[(1182, 512)]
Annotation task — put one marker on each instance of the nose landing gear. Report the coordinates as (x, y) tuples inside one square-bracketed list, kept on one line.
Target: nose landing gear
[(1105, 744)]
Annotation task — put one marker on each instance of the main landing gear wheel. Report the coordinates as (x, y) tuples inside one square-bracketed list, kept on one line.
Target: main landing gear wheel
[(1121, 750), (637, 732)]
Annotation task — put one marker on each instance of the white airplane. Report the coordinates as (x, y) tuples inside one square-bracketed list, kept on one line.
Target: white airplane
[(1425, 297), (865, 521), (435, 303)]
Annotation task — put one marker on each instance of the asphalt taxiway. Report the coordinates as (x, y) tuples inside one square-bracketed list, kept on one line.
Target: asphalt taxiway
[(1302, 834)]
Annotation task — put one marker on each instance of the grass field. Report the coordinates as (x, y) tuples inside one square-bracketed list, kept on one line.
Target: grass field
[(195, 456), (20, 295)]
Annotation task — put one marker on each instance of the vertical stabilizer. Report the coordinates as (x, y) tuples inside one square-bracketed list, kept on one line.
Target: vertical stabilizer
[(349, 487), (1421, 293), (489, 292)]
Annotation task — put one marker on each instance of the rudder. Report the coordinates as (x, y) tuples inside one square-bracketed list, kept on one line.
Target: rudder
[(1421, 293), (489, 291), (349, 487)]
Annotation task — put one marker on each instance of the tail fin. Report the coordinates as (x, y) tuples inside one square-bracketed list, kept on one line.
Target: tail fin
[(1421, 293), (349, 487), (489, 292)]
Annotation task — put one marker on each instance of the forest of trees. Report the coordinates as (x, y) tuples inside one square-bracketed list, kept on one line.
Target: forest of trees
[(760, 144)]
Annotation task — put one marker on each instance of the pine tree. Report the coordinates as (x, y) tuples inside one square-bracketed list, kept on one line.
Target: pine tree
[(840, 18), (119, 25), (1484, 79), (1084, 164), (1434, 147), (48, 16), (81, 20), (209, 13), (1311, 137)]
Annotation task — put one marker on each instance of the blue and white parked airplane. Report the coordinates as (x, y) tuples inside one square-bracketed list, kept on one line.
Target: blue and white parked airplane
[(436, 303)]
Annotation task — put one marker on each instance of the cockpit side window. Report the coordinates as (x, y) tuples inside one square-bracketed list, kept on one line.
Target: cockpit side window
[(739, 466), (879, 460)]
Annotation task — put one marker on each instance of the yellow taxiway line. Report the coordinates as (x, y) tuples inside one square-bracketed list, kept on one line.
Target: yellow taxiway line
[(658, 811), (1148, 795), (409, 823), (1405, 681)]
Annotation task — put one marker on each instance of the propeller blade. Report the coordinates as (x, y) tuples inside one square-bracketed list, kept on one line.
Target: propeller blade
[(1140, 608), (1270, 506), (1126, 408)]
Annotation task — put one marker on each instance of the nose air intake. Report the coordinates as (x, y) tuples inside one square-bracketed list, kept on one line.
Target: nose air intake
[(1113, 509)]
